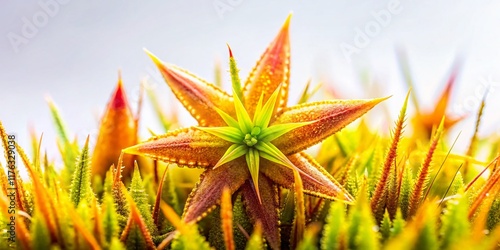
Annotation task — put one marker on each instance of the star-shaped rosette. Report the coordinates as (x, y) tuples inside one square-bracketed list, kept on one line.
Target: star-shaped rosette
[(250, 141)]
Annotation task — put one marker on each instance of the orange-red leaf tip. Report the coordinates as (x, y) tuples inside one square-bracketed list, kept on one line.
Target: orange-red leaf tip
[(230, 51), (119, 99)]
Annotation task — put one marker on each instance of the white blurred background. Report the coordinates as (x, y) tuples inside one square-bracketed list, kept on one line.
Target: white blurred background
[(74, 49)]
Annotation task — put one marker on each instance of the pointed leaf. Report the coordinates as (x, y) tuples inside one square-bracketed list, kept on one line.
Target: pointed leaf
[(42, 198), (235, 76), (13, 179), (244, 120), (253, 161), (428, 120), (117, 130), (258, 108), (229, 120), (306, 94), (398, 224), (136, 222), (265, 114), (275, 131), (118, 192), (272, 69), (186, 147), (156, 208), (267, 212), (69, 151), (378, 200), (138, 194), (81, 188), (471, 150), (385, 227), (229, 134), (423, 173), (270, 152), (233, 152), (323, 185), (197, 95), (328, 116), (206, 194), (226, 213)]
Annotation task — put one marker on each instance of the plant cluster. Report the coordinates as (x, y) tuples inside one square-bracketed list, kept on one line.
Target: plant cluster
[(243, 177)]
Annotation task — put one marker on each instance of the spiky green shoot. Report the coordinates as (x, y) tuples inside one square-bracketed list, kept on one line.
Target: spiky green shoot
[(252, 137)]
